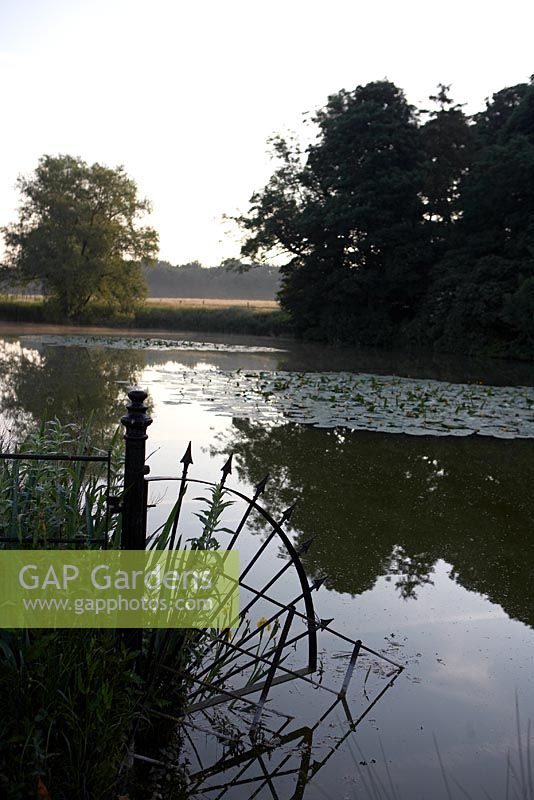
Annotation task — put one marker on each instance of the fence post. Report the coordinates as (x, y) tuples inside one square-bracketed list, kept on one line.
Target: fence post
[(134, 500)]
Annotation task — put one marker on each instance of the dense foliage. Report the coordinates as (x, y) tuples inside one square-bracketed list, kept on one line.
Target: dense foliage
[(400, 225), (92, 714), (74, 700), (77, 235)]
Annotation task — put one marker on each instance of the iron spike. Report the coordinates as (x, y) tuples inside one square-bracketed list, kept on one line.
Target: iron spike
[(325, 623), (187, 458), (288, 513), (305, 546), (318, 582), (227, 468), (260, 487)]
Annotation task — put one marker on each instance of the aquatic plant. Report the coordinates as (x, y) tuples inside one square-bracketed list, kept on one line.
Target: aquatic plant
[(360, 402)]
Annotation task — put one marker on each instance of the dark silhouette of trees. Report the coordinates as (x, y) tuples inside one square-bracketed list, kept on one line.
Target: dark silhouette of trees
[(349, 216), (482, 293), (448, 143), (402, 227)]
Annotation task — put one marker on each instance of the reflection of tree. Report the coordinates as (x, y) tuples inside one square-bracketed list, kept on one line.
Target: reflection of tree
[(411, 571), (310, 357), (70, 383), (380, 504)]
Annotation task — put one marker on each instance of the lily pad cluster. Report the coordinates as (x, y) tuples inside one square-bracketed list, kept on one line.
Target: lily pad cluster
[(359, 401), (142, 343)]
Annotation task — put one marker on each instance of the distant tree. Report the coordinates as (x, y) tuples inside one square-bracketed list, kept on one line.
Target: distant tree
[(78, 235), (192, 265), (348, 216), (224, 281)]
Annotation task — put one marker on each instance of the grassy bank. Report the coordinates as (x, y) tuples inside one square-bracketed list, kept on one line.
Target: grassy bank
[(211, 319), (77, 702), (243, 319)]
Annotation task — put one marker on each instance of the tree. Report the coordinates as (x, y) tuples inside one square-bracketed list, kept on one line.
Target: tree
[(493, 122), (481, 297), (447, 141), (78, 235), (395, 231), (348, 216)]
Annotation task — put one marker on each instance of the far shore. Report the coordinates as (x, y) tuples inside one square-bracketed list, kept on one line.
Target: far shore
[(48, 328)]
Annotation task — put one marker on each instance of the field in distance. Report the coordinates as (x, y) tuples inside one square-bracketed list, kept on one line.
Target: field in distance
[(212, 302), (177, 302)]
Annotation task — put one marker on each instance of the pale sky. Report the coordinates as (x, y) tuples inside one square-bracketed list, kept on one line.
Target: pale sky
[(185, 94)]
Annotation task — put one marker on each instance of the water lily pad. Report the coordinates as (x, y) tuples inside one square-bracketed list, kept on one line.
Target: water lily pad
[(367, 402)]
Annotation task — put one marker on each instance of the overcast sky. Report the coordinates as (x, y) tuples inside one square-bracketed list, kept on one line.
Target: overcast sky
[(185, 94)]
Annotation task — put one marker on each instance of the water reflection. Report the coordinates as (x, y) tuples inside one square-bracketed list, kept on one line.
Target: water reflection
[(71, 384), (306, 357), (394, 505), (282, 763), (390, 514), (301, 356)]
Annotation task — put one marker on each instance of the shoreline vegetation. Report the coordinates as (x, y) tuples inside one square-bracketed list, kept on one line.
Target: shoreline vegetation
[(77, 701), (256, 318), (404, 226), (231, 316)]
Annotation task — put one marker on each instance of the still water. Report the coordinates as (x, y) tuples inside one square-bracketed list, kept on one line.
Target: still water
[(426, 536)]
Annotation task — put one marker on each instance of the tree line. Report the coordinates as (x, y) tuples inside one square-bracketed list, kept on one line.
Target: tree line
[(396, 226), (403, 226), (231, 279)]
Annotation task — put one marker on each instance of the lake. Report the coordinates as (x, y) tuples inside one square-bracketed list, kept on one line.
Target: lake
[(414, 477)]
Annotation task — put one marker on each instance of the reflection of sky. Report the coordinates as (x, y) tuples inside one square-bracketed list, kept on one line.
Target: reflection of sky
[(464, 660), (10, 351)]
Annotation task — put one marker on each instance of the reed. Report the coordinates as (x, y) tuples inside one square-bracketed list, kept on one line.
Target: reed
[(76, 703)]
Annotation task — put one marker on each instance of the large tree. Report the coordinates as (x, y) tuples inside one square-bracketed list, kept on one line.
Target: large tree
[(482, 297), (348, 215), (78, 235), (448, 146), (395, 230)]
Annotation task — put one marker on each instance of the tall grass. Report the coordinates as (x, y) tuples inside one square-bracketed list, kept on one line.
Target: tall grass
[(74, 710), (69, 701), (235, 319), (46, 502), (69, 697), (18, 310)]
